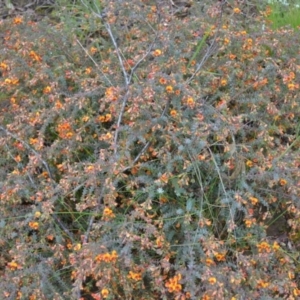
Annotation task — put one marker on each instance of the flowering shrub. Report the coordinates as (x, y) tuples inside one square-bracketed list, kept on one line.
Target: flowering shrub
[(153, 156)]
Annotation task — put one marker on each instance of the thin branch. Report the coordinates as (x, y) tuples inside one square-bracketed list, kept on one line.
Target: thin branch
[(95, 63), (211, 48), (30, 149)]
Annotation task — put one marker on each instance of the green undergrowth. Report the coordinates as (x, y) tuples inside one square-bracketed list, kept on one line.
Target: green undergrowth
[(148, 155)]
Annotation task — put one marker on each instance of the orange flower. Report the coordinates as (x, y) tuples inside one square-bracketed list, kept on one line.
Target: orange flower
[(163, 80), (35, 56), (232, 56), (18, 20), (236, 10), (65, 130), (282, 182), (220, 256), (58, 105), (164, 178), (173, 113), (209, 262)]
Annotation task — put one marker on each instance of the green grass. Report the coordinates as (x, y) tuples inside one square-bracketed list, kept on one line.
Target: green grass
[(285, 15)]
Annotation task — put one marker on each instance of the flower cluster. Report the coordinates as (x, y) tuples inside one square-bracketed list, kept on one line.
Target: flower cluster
[(173, 284), (107, 257)]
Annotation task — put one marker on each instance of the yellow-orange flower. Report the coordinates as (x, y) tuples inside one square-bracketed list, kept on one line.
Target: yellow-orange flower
[(134, 276), (169, 89), (296, 292), (47, 90), (105, 118), (34, 225), (12, 265), (107, 257), (104, 293), (93, 50), (223, 82), (111, 93), (236, 10), (3, 66), (212, 280), (220, 256), (157, 52), (108, 213), (250, 222), (282, 182), (190, 102), (226, 41), (37, 214), (35, 56), (88, 70), (77, 247), (293, 86), (249, 163), (264, 247), (11, 81), (164, 178), (173, 285), (276, 246), (262, 284), (253, 200), (173, 113), (209, 262)]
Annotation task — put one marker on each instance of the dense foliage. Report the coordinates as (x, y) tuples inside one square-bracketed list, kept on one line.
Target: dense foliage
[(149, 150)]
